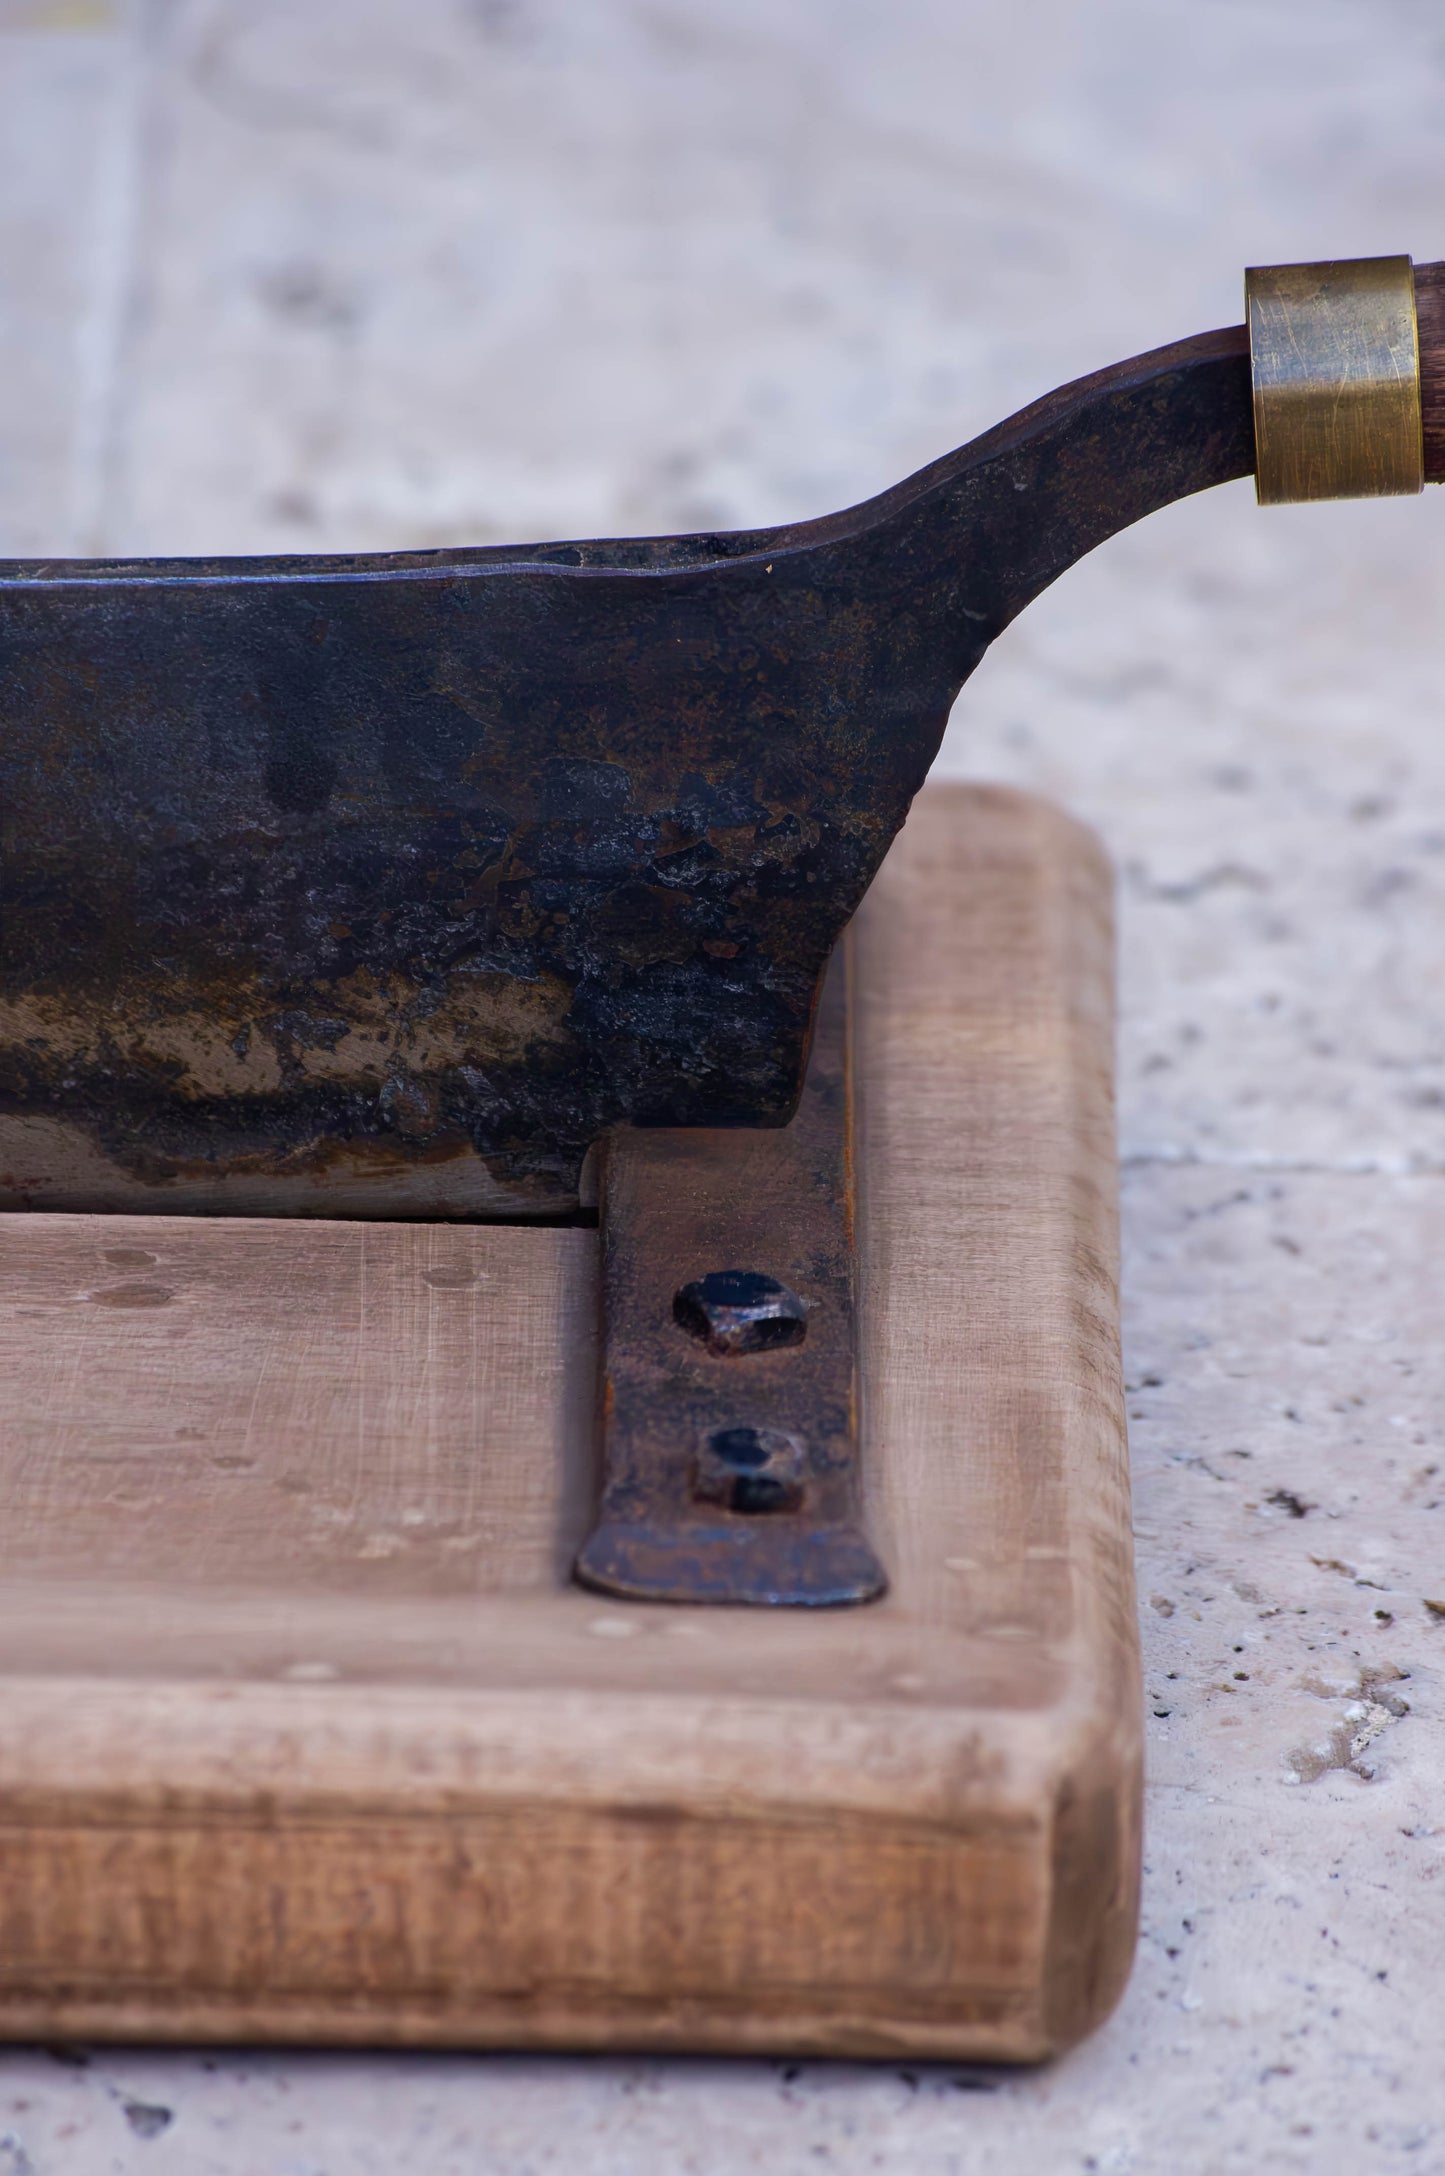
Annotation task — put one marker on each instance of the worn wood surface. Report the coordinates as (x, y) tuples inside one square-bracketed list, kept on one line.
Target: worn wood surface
[(307, 1736)]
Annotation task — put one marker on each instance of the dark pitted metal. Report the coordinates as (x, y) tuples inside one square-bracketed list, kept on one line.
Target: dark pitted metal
[(387, 885)]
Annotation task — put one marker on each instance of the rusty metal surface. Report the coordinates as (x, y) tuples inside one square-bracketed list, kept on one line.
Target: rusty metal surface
[(730, 1451), (388, 885)]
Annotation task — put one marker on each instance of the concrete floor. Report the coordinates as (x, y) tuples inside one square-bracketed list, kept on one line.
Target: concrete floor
[(304, 274)]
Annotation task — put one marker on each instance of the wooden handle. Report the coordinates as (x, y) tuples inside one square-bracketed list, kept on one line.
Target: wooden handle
[(1430, 311)]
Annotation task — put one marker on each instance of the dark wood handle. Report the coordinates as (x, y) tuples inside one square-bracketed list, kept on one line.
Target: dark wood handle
[(1430, 309)]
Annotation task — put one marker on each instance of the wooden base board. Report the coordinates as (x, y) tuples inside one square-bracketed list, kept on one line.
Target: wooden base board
[(308, 1737)]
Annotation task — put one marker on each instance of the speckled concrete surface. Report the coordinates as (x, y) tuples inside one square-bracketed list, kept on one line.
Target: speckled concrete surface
[(299, 274)]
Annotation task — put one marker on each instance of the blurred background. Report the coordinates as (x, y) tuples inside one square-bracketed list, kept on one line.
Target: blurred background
[(305, 275)]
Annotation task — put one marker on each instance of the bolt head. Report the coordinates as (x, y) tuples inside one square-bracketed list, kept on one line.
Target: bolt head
[(751, 1470), (735, 1311)]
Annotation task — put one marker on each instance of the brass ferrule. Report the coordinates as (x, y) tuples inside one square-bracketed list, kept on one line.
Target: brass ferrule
[(1334, 354)]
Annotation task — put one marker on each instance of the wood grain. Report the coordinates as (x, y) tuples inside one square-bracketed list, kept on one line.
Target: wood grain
[(306, 1734), (1430, 313)]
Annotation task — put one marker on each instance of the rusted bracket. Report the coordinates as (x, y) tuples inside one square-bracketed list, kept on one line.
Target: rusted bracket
[(730, 1412)]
